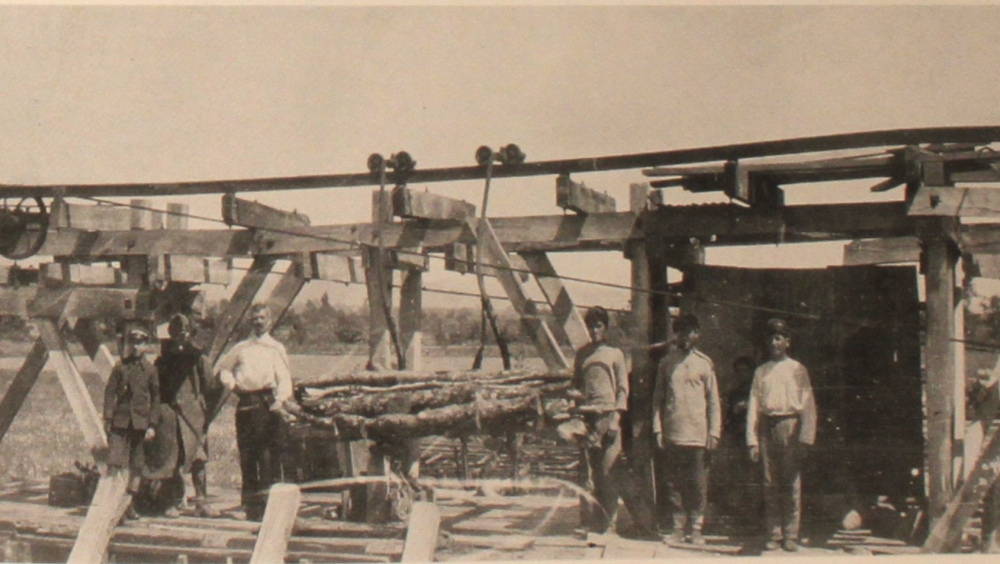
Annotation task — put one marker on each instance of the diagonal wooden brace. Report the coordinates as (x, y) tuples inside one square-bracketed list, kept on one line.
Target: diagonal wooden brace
[(21, 385), (238, 306), (568, 321)]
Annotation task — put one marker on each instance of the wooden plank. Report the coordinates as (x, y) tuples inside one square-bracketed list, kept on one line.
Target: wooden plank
[(882, 251), (237, 307), (14, 302), (424, 205), (276, 527), (237, 211), (952, 201), (285, 291), (946, 534), (218, 271), (410, 318), (568, 320), (21, 385), (576, 196), (986, 266), (421, 533), (86, 332), (89, 217), (87, 416), (57, 273), (337, 268), (90, 302), (409, 259), (940, 362), (381, 353), (185, 268), (536, 326), (107, 507)]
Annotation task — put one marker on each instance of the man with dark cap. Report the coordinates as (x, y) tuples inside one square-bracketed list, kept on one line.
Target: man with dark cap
[(781, 425), (687, 423), (600, 389), (131, 408)]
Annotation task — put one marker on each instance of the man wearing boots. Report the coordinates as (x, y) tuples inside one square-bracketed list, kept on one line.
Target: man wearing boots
[(257, 371), (131, 408), (185, 382), (781, 425), (687, 423)]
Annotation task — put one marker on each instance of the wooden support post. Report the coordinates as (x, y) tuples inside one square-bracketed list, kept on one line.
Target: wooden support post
[(142, 215), (940, 363), (276, 527), (493, 253), (643, 370), (86, 332), (410, 317), (380, 347), (106, 509), (87, 416), (421, 533), (958, 425), (946, 532), (239, 304), (22, 383), (568, 321)]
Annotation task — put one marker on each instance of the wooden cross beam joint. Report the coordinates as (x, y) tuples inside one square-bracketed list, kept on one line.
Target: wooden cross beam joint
[(579, 198), (409, 203)]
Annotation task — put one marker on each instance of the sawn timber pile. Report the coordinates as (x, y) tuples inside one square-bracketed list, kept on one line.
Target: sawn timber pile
[(401, 405)]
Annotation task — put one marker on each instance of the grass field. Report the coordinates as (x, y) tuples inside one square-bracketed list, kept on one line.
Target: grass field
[(44, 438)]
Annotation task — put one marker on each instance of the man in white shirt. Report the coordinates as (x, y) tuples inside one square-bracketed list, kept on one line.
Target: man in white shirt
[(256, 370), (781, 424)]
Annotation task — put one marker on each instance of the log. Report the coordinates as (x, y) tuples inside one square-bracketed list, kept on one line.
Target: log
[(395, 378)]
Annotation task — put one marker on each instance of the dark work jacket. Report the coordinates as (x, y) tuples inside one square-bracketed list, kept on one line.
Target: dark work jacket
[(132, 395)]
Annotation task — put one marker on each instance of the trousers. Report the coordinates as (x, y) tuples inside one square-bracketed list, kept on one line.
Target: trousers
[(782, 454), (257, 438), (687, 476), (603, 461)]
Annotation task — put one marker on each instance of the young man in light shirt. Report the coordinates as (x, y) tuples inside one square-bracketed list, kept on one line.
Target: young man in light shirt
[(687, 424), (781, 425), (257, 371)]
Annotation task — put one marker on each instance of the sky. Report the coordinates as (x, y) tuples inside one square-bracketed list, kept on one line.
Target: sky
[(98, 94)]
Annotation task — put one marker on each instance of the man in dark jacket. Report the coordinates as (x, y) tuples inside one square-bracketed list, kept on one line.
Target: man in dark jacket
[(131, 408)]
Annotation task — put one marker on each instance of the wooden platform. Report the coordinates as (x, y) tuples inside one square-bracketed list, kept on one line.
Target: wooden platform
[(473, 527)]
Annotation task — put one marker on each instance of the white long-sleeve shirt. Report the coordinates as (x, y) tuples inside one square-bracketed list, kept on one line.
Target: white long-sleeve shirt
[(781, 388), (256, 364)]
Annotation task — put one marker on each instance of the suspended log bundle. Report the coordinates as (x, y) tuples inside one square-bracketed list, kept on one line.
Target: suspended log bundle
[(388, 406)]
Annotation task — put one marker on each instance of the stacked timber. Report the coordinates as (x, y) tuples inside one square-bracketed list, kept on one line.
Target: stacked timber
[(406, 405)]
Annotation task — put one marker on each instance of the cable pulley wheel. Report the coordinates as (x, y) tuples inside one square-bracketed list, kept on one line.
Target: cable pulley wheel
[(23, 227)]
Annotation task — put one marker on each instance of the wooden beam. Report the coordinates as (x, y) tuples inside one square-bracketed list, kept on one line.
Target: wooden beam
[(61, 273), (14, 302), (882, 251), (141, 214), (238, 305), (237, 211), (643, 369), (714, 177), (836, 142), (86, 332), (421, 533), (723, 224), (577, 197), (87, 416), (536, 327), (276, 527), (380, 346), (82, 302), (940, 363), (985, 266), (951, 201), (424, 205), (568, 321), (89, 217), (337, 268), (410, 317), (946, 533), (177, 215), (285, 291), (105, 510), (21, 385)]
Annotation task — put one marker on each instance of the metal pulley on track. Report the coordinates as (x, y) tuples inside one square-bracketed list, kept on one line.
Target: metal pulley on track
[(23, 227)]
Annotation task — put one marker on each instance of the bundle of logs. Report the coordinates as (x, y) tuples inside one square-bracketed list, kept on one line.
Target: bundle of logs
[(388, 406)]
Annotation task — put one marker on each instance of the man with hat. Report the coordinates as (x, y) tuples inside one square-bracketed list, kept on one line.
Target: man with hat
[(687, 423), (131, 408), (257, 371), (781, 424)]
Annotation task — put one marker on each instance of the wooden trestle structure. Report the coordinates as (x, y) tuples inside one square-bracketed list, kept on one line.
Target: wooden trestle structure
[(139, 263)]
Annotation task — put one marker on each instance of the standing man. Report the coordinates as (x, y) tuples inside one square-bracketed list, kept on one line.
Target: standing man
[(781, 425), (131, 407), (687, 423), (985, 400), (185, 380), (600, 389), (256, 370)]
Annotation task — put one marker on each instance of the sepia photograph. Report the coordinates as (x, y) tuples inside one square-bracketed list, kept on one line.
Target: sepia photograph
[(323, 283)]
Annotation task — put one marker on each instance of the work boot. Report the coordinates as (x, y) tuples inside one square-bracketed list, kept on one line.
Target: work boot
[(680, 526), (790, 545), (696, 538), (202, 509), (172, 513), (773, 544)]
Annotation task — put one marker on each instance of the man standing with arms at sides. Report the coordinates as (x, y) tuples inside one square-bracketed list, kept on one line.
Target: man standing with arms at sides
[(257, 371), (781, 425), (687, 423), (600, 389)]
